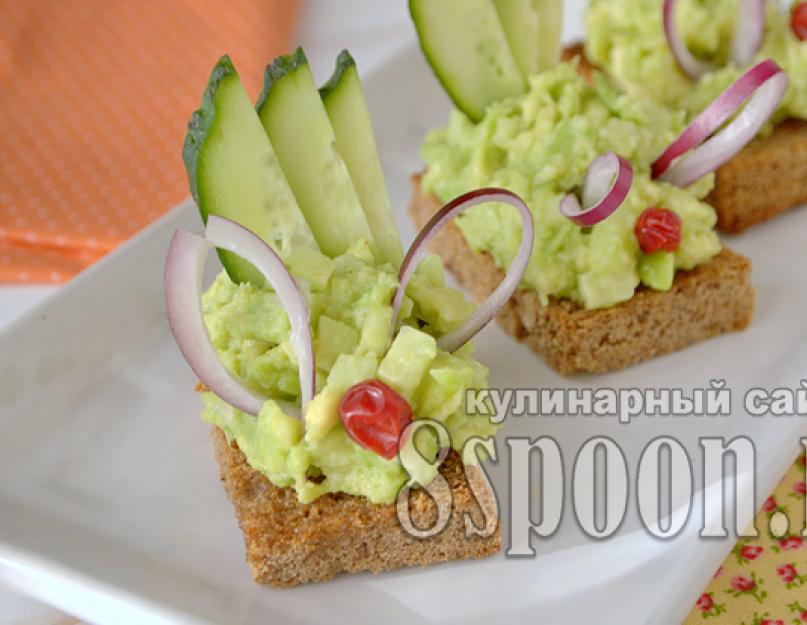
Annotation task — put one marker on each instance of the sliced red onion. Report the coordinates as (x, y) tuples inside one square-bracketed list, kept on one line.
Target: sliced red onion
[(696, 152), (749, 30), (607, 184), (488, 309), (691, 66), (183, 285)]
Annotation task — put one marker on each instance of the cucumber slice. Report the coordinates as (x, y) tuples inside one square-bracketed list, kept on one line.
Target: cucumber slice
[(355, 141), (234, 173), (533, 30), (465, 44), (298, 127)]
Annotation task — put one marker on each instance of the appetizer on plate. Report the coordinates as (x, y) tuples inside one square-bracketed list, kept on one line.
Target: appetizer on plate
[(641, 271), (320, 348), (683, 54)]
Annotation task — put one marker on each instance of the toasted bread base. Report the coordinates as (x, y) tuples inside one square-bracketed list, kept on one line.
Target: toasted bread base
[(766, 178), (289, 543), (714, 298)]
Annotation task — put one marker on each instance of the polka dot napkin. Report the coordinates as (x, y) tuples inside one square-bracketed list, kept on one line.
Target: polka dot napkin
[(94, 99)]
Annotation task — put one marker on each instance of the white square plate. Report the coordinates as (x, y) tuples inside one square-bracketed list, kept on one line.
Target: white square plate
[(110, 503)]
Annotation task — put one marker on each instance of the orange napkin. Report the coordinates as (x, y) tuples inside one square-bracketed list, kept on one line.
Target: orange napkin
[(94, 98)]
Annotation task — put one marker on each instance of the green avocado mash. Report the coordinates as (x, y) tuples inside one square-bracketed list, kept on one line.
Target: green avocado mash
[(539, 145), (626, 38), (350, 318)]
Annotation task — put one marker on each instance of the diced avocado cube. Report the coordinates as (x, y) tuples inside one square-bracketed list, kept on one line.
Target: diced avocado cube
[(600, 290), (408, 359), (431, 268), (376, 330), (275, 368), (333, 338), (350, 369), (274, 424), (444, 309), (441, 392), (321, 415), (323, 411), (657, 270)]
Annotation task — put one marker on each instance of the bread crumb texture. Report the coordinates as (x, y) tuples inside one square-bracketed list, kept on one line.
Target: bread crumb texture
[(289, 543)]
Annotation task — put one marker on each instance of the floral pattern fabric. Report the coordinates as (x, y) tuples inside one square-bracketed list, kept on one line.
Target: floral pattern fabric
[(764, 580)]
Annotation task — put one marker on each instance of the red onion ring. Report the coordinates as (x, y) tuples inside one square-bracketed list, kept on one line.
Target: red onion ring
[(691, 66), (184, 267), (696, 152), (749, 30), (607, 184), (488, 309)]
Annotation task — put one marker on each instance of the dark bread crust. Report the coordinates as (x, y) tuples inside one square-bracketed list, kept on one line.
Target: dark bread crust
[(766, 178), (714, 298), (289, 543)]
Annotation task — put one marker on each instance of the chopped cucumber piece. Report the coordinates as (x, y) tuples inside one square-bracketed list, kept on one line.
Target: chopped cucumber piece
[(657, 270), (533, 30), (465, 44), (298, 127), (355, 141), (234, 173)]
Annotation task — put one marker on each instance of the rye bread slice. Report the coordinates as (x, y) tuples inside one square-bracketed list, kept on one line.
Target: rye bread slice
[(714, 298), (289, 543)]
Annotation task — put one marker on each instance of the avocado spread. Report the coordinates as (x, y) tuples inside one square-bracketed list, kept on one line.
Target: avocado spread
[(539, 145), (349, 300), (626, 38)]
